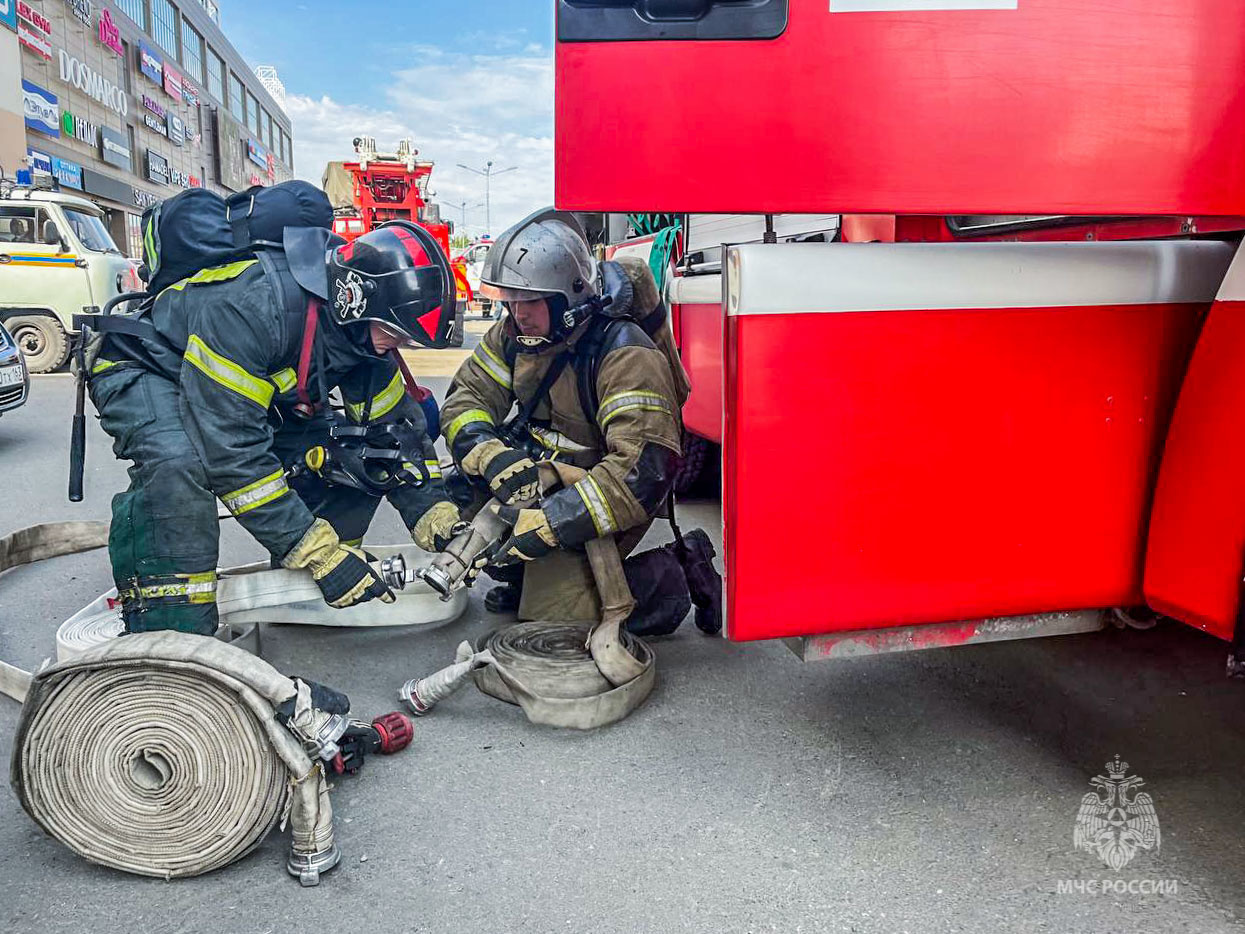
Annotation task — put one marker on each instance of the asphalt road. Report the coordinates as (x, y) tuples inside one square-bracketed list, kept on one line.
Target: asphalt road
[(929, 792)]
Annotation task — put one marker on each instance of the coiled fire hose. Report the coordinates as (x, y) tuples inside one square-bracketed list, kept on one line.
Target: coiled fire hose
[(576, 675), (171, 755)]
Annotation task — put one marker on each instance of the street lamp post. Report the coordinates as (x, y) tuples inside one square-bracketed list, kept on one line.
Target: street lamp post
[(487, 174)]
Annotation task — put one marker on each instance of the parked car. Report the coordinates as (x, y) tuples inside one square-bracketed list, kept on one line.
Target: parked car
[(14, 382), (56, 257)]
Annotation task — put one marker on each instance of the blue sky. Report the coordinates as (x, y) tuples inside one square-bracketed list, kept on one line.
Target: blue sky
[(469, 81)]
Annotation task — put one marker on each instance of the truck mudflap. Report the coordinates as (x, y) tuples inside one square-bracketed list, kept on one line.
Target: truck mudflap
[(901, 106), (928, 433), (1195, 555)]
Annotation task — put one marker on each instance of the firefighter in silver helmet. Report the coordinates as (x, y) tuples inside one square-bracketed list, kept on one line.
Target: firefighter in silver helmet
[(586, 349)]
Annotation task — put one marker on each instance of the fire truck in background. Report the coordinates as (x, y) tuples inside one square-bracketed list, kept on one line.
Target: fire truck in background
[(381, 187), (975, 364)]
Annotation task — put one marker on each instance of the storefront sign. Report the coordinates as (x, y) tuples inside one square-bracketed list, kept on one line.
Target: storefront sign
[(156, 126), (8, 13), (257, 154), (79, 128), (178, 177), (189, 93), (154, 106), (172, 83), (144, 199), (40, 109), (110, 33), (114, 149), (93, 84), (67, 173), (196, 181), (150, 64), (177, 129), (40, 162), (33, 30), (157, 167), (105, 186), (82, 10)]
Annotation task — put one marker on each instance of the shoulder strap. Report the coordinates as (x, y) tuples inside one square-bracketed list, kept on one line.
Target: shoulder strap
[(513, 429)]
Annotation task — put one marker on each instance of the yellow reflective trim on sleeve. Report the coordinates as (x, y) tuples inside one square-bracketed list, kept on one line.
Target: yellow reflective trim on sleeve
[(256, 494), (353, 543), (493, 365), (434, 469), (598, 506), (284, 380), (227, 373), (467, 418), (383, 402), (621, 402), (213, 274)]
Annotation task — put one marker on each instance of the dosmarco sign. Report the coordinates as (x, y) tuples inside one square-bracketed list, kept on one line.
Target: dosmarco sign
[(93, 84)]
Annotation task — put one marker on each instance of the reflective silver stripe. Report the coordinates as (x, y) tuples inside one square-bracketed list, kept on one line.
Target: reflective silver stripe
[(434, 469), (558, 442), (598, 507), (626, 401), (256, 494), (815, 278), (494, 366)]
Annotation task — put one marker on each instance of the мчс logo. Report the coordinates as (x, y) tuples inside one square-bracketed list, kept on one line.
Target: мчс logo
[(1116, 821)]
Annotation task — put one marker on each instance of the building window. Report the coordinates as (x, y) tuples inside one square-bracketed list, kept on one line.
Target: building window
[(282, 149), (267, 129), (192, 51), (235, 98), (252, 113), (215, 76), (164, 26), (135, 10)]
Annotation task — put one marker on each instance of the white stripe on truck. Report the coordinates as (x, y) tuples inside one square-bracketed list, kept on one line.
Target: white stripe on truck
[(894, 6), (841, 277)]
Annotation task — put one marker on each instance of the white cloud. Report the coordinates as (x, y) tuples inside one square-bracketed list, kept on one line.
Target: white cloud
[(468, 108)]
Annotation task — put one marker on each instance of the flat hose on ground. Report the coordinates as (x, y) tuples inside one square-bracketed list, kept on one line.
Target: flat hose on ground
[(158, 754)]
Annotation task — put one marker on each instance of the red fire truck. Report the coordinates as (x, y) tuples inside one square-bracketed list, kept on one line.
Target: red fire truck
[(998, 394)]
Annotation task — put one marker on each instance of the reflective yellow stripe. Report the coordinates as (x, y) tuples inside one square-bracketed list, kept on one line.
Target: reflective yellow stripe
[(101, 365), (434, 469), (621, 402), (256, 494), (598, 507), (467, 418), (284, 380), (557, 442), (214, 274), (227, 373), (198, 588), (149, 242), (493, 365), (383, 402), (353, 543)]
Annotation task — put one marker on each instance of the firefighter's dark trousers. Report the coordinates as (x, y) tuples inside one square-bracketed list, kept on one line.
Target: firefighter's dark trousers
[(163, 539)]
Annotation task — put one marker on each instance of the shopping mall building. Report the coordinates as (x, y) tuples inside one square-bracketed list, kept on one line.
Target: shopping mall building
[(128, 102)]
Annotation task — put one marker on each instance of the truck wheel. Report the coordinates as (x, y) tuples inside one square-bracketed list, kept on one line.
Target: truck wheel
[(692, 465), (42, 340)]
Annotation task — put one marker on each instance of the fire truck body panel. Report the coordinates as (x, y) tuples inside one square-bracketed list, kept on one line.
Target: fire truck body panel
[(1056, 107), (947, 432)]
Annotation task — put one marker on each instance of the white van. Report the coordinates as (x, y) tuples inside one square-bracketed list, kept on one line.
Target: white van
[(56, 258)]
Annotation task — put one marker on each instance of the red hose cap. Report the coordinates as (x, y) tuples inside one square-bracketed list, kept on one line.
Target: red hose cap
[(396, 730)]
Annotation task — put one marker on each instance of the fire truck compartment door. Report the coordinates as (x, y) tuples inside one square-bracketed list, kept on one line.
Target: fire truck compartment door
[(1196, 552), (919, 433), (901, 106)]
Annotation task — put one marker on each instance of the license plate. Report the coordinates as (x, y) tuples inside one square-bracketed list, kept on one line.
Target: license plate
[(11, 376)]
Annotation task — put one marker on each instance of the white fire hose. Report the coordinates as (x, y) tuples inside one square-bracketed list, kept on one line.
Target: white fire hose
[(576, 675), (158, 754)]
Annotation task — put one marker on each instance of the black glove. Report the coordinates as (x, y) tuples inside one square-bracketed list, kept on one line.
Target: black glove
[(512, 477), (531, 538), (352, 581)]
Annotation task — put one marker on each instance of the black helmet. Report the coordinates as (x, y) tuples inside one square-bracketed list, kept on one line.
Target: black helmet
[(396, 275)]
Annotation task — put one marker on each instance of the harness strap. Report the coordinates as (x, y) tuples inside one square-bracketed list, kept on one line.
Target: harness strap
[(305, 407), (413, 389)]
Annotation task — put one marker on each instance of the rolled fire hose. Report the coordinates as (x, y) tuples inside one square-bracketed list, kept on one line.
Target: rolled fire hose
[(159, 755), (576, 675)]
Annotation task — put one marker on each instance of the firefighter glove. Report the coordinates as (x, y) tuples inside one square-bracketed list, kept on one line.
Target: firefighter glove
[(512, 477), (341, 572), (438, 526), (531, 538)]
